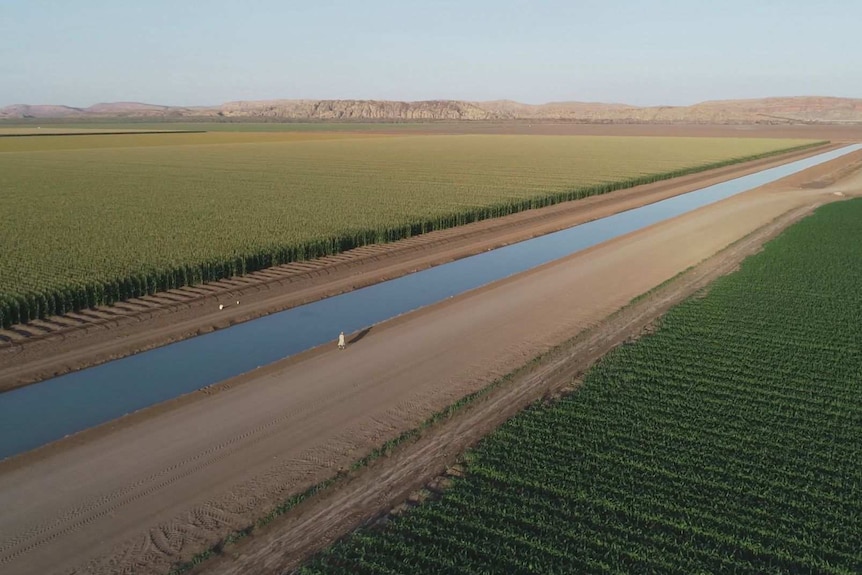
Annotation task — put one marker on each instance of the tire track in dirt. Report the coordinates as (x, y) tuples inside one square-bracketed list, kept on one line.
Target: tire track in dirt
[(82, 515), (162, 546)]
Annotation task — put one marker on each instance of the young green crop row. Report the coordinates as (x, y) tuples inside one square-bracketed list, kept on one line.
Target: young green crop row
[(729, 441), (92, 226)]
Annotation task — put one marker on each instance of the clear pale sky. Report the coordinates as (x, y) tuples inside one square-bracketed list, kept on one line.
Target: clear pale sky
[(644, 52)]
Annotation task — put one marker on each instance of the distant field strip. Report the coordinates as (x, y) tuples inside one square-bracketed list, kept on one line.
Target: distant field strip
[(52, 133), (729, 441), (92, 220), (81, 140)]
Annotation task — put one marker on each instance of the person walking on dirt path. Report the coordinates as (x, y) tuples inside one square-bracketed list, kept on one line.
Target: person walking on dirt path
[(341, 344)]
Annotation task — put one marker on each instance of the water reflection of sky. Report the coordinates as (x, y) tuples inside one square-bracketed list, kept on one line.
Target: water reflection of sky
[(43, 412)]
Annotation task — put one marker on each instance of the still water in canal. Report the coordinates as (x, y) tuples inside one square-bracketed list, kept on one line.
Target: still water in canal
[(38, 414)]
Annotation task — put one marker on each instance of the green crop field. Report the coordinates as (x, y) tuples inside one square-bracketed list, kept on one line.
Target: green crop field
[(729, 441), (89, 220)]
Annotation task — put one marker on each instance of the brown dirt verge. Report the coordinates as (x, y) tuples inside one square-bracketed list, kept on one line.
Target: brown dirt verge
[(369, 493), (46, 348)]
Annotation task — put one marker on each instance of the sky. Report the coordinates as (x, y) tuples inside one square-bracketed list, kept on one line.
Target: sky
[(640, 52)]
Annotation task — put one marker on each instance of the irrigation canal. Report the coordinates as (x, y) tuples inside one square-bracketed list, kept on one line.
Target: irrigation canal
[(40, 413)]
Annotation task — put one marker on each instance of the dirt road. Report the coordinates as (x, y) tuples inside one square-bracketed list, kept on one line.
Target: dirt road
[(141, 494)]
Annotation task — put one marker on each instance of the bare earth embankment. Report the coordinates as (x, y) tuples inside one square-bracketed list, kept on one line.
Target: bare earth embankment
[(152, 489)]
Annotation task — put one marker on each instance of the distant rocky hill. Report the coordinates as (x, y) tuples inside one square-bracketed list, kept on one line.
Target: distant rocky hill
[(804, 109)]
